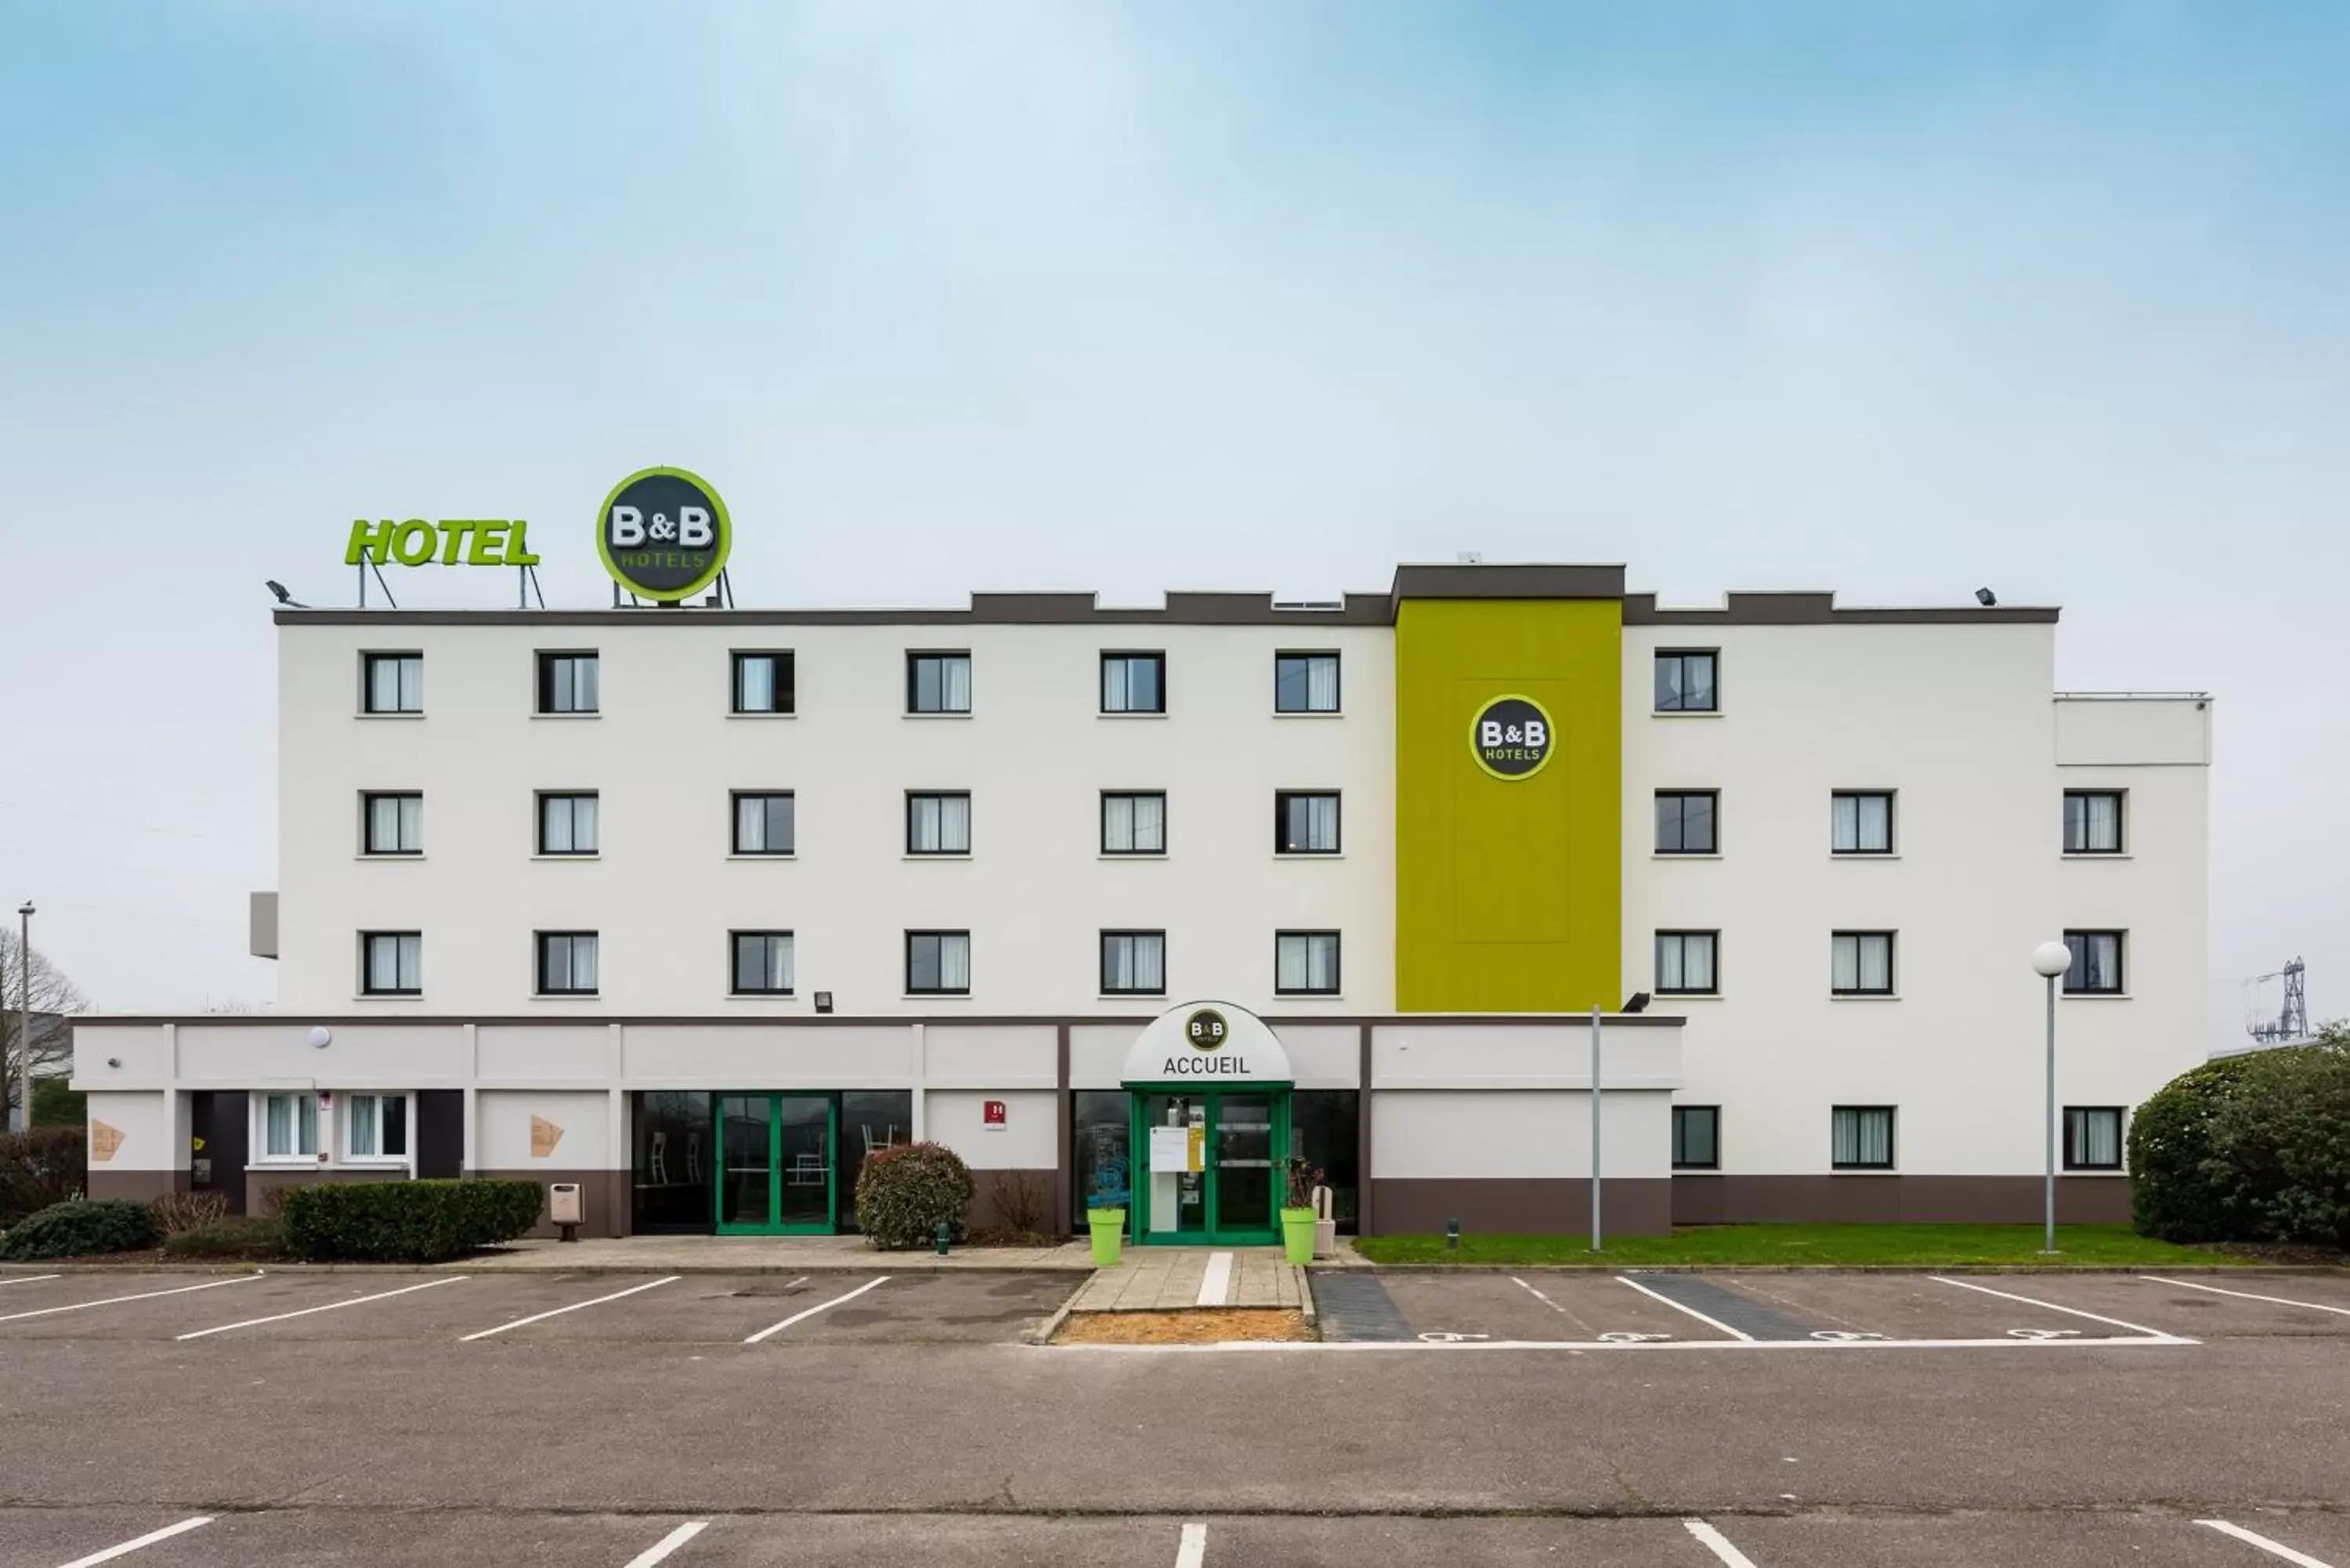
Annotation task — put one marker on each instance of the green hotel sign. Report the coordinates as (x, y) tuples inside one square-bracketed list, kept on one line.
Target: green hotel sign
[(663, 534), (452, 541)]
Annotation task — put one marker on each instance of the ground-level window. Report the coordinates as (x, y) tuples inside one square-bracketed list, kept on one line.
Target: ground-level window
[(1697, 1138), (2096, 963), (290, 1127), (392, 963), (762, 964), (1861, 963), (1134, 822), (566, 963), (1324, 1126), (1133, 963), (938, 964), (2093, 1138), (375, 1127), (673, 1139), (1861, 1138), (1685, 963), (1098, 1146), (1305, 963)]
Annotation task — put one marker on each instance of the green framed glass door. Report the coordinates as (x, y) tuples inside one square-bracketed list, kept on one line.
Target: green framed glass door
[(775, 1165), (1233, 1199)]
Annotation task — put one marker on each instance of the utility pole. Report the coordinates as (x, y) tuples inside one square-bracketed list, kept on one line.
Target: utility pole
[(1594, 1126), (24, 1010)]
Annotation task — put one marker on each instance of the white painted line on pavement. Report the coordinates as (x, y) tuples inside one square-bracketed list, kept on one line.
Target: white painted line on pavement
[(2240, 1533), (575, 1306), (850, 1295), (1710, 1323), (1216, 1282), (1192, 1551), (1536, 1293), (30, 1279), (2215, 1290), (659, 1550), (2051, 1306), (1715, 1543), (2115, 1342), (142, 1296), (152, 1536), (330, 1306)]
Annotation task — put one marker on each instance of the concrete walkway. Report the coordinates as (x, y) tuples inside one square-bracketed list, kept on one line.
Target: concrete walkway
[(757, 1255), (1167, 1279)]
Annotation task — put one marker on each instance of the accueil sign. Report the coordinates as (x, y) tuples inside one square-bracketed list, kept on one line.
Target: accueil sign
[(451, 541), (1203, 1040)]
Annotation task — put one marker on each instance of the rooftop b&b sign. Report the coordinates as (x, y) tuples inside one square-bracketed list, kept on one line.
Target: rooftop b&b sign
[(663, 534)]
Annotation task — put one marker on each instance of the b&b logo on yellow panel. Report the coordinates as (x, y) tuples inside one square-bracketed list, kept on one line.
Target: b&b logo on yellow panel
[(1512, 738)]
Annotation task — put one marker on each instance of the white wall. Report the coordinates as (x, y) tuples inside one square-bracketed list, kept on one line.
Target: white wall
[(1483, 1133)]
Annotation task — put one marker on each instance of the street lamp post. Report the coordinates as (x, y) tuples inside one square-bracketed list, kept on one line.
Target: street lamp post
[(24, 1010), (2050, 960)]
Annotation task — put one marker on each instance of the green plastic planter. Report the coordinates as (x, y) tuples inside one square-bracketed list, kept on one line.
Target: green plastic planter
[(1108, 1227), (1297, 1234)]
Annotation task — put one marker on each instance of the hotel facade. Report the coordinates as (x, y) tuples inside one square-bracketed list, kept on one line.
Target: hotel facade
[(696, 907)]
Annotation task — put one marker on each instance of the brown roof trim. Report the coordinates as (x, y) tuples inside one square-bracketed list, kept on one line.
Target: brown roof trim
[(830, 1020), (1498, 582), (986, 610), (1811, 608)]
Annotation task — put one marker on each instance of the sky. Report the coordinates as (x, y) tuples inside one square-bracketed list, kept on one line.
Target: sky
[(1898, 300)]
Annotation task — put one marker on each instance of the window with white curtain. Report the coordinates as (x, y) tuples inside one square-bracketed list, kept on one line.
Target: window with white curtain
[(568, 682), (1134, 822), (391, 683), (394, 823), (1305, 682), (763, 824), (1684, 965), (762, 964), (2093, 822), (1133, 963), (566, 963), (937, 683), (1862, 963), (2093, 1138), (289, 1125), (1305, 963), (1134, 683), (375, 1127), (938, 824), (567, 825), (1861, 1138), (1861, 822), (2096, 963), (1685, 681), (763, 683), (392, 963), (1304, 822), (938, 964)]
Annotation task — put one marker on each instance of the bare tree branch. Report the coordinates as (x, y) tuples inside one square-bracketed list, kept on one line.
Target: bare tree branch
[(53, 994)]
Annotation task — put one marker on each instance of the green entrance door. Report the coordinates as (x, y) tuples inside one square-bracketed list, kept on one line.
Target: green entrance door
[(1233, 1198), (775, 1165)]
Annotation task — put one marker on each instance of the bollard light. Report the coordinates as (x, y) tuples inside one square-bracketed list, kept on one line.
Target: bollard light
[(941, 1235), (1452, 1235)]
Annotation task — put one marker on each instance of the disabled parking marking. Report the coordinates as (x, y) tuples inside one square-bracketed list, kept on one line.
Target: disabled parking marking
[(811, 1312), (1447, 1337), (2274, 1548), (330, 1306), (1715, 1543), (575, 1306), (1677, 1306), (142, 1296), (152, 1536), (659, 1550), (2070, 1312), (1614, 1336), (2247, 1295)]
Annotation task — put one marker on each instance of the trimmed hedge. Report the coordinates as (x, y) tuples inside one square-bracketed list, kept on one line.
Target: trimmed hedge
[(903, 1193), (79, 1229), (232, 1236), (2251, 1148), (41, 1167), (406, 1221)]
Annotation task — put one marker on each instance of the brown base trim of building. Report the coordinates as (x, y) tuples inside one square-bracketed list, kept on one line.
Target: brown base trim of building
[(1520, 1205), (1894, 1199), (994, 1191), (606, 1194), (260, 1184), (134, 1186)]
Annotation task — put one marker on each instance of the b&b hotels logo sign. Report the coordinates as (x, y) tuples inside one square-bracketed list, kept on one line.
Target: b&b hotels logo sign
[(1512, 738), (663, 534)]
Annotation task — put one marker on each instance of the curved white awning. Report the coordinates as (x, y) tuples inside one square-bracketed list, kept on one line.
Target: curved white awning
[(1207, 1043)]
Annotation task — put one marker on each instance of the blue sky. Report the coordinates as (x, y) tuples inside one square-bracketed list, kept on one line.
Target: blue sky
[(1896, 299)]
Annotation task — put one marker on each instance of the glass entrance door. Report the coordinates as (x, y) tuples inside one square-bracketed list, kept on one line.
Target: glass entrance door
[(1245, 1162), (775, 1165), (1231, 1135)]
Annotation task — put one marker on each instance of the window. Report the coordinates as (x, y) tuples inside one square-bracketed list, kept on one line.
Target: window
[(2093, 1138), (938, 964), (1305, 682), (762, 824), (1685, 964), (1133, 822), (1863, 964), (566, 683), (1305, 963), (1133, 963), (1685, 682), (1860, 1137), (1697, 1138), (567, 825), (938, 824), (937, 683), (763, 683), (1685, 820), (394, 823), (1305, 824), (290, 1127), (2093, 822), (2096, 963), (762, 964), (566, 963), (1134, 683), (1860, 821), (392, 963), (391, 683), (375, 1127)]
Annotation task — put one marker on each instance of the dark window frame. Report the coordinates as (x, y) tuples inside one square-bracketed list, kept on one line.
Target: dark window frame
[(1280, 799), (1681, 798), (1892, 1161), (1680, 1139), (1892, 823), (1337, 685), (368, 797), (1101, 953), (1156, 658), (2073, 1143), (1714, 686), (369, 659), (734, 799), (2120, 798), (1713, 960), (963, 795), (735, 941), (2120, 983), (914, 936), (366, 967), (914, 658), (1338, 963), (546, 661), (538, 950), (538, 823), (785, 684), (1109, 794), (1892, 962)]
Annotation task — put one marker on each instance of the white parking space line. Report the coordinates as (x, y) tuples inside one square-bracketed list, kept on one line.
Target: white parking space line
[(1192, 1550), (2247, 1295), (142, 1296), (2070, 1312), (37, 1279), (1710, 1323), (1715, 1543), (1536, 1293), (2264, 1543), (1216, 1281), (575, 1306), (1370, 1347), (127, 1547), (797, 1316), (330, 1306), (659, 1550)]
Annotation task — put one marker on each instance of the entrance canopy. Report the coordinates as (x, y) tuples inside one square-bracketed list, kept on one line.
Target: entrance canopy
[(1207, 1043)]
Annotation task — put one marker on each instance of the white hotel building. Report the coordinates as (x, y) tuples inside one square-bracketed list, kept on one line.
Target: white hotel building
[(697, 905)]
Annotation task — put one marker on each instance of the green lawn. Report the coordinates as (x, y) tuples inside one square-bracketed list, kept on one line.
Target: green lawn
[(1918, 1246)]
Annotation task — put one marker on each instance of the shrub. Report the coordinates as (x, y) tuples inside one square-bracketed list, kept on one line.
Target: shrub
[(904, 1192), (231, 1236), (41, 1167), (78, 1229), (1018, 1208), (2252, 1148), (407, 1222), (178, 1211)]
